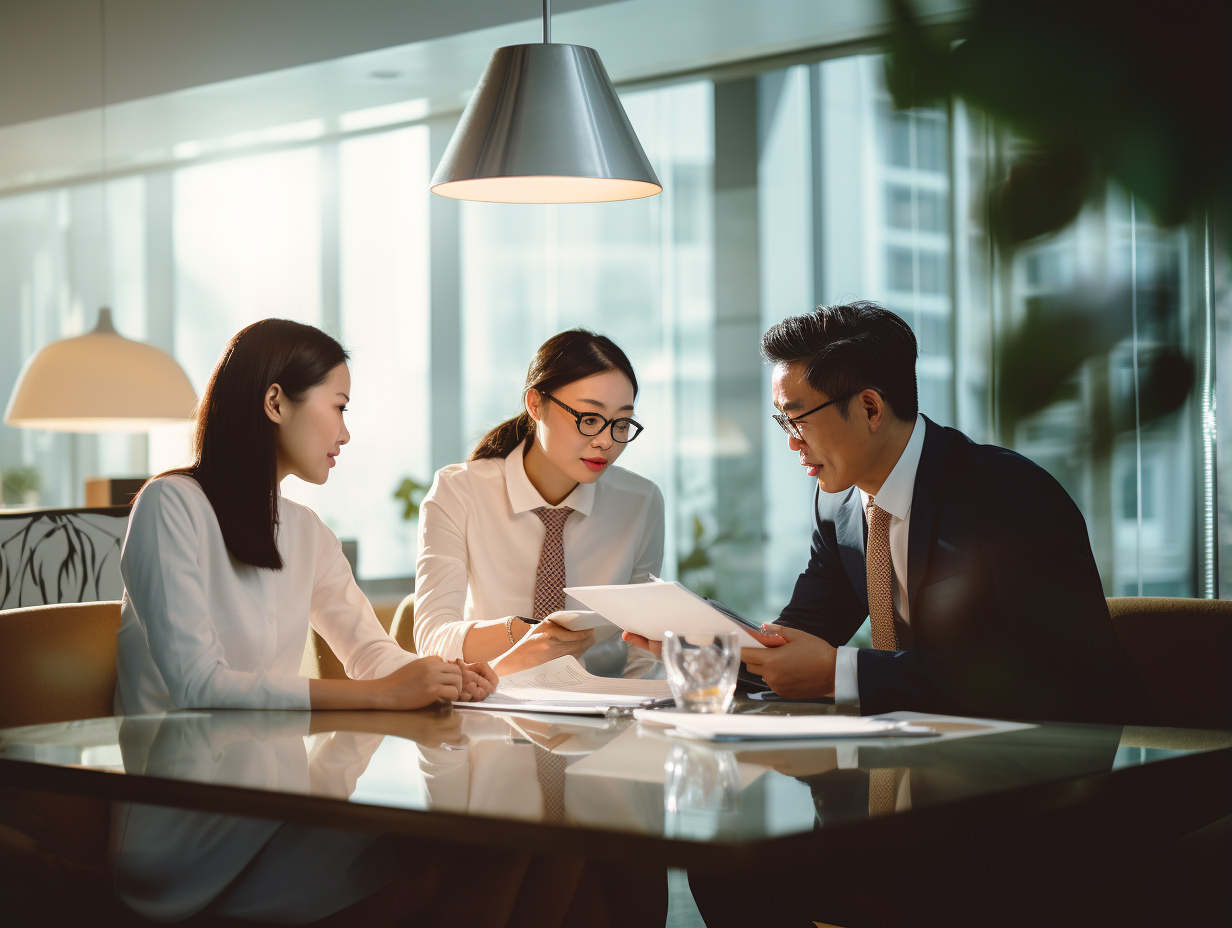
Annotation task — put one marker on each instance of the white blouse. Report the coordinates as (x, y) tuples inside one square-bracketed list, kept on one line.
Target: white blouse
[(201, 630), (479, 544)]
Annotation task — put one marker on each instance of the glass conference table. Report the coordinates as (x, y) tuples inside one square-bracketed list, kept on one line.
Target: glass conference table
[(616, 790)]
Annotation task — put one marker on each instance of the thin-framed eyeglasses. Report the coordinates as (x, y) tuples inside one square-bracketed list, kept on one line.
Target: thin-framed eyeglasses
[(790, 424), (590, 424)]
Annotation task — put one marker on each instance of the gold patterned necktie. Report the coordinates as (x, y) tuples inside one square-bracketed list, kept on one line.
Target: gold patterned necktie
[(880, 579), (883, 784), (550, 577)]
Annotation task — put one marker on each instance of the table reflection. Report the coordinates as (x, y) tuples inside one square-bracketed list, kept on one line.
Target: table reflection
[(589, 780), (170, 863)]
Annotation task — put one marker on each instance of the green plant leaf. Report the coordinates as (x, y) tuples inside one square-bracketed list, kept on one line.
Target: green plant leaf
[(411, 492)]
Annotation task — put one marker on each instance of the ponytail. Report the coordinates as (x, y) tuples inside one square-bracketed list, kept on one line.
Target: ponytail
[(500, 442)]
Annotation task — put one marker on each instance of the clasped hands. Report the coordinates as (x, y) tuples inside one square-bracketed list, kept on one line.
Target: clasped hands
[(428, 679), (794, 664)]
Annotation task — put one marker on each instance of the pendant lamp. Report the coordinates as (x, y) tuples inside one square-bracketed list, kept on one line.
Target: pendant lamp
[(101, 381), (545, 126)]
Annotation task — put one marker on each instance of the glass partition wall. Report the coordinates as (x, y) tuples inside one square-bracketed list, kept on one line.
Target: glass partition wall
[(784, 189)]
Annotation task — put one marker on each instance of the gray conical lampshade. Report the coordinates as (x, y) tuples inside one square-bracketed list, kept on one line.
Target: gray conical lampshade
[(545, 126)]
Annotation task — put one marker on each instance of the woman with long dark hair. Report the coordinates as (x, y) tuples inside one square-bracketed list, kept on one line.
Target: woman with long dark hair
[(222, 579), (540, 505), (223, 576)]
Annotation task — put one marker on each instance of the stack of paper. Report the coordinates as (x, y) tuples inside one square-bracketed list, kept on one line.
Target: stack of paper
[(564, 685), (749, 727)]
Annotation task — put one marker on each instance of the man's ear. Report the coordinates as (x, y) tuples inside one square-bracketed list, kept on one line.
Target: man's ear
[(873, 405), (275, 401), (534, 403)]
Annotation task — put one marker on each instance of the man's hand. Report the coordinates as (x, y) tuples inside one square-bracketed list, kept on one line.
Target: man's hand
[(802, 668), (637, 641)]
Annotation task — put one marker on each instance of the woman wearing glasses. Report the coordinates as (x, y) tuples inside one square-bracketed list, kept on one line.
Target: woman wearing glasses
[(540, 505)]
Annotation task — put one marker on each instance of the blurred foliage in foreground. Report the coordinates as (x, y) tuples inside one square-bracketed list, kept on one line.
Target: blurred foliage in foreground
[(1099, 90)]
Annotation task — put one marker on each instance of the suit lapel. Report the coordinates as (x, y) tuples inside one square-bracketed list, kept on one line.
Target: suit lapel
[(924, 507), (850, 531)]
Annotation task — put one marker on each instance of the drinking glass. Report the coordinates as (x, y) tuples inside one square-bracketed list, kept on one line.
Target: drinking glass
[(697, 779), (701, 669)]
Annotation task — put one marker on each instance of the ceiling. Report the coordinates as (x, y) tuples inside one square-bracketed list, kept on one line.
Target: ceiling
[(186, 79)]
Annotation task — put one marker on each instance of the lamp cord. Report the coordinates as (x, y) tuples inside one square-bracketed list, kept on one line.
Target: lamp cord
[(102, 110)]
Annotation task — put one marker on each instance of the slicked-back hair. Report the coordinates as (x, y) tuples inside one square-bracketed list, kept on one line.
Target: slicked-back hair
[(235, 451), (850, 347), (565, 357)]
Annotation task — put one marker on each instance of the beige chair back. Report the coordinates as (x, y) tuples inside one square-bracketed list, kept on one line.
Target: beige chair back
[(58, 662), (1182, 650), (403, 627), (320, 661)]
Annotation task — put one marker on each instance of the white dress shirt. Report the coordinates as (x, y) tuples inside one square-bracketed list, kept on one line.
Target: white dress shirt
[(201, 630), (894, 497), (479, 544)]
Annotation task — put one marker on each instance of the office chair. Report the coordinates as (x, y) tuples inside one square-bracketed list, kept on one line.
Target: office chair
[(1182, 651)]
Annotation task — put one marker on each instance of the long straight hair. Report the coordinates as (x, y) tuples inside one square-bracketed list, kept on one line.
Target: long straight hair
[(235, 451), (562, 359)]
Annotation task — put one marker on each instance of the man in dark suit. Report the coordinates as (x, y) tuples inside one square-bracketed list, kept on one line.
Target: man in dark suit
[(972, 562), (975, 569)]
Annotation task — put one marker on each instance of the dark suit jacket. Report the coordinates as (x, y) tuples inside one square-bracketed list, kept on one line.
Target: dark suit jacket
[(1007, 614)]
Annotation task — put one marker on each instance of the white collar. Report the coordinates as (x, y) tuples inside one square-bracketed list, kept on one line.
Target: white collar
[(895, 494), (523, 497)]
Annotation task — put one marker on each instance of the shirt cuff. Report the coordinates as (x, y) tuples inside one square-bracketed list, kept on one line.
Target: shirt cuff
[(846, 678)]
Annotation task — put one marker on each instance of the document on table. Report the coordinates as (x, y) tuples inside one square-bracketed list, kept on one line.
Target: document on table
[(757, 727), (650, 609), (632, 756), (564, 685)]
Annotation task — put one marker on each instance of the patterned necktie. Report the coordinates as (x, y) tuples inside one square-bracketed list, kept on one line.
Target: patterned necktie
[(883, 784), (880, 579), (550, 577), (550, 770)]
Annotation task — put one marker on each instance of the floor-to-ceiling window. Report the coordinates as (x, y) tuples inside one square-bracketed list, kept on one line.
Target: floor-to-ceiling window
[(783, 189)]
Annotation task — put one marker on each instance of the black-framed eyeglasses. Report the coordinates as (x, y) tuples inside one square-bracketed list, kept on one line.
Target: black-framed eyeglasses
[(590, 424), (790, 424)]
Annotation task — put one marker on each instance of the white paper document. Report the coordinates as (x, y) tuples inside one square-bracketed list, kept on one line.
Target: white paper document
[(650, 609), (579, 620), (564, 685), (750, 727), (630, 756)]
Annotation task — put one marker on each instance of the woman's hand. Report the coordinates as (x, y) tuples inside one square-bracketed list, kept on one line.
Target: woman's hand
[(420, 683), (544, 642), (478, 680)]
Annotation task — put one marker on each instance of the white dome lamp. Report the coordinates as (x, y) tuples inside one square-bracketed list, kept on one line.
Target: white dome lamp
[(100, 382), (545, 126)]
